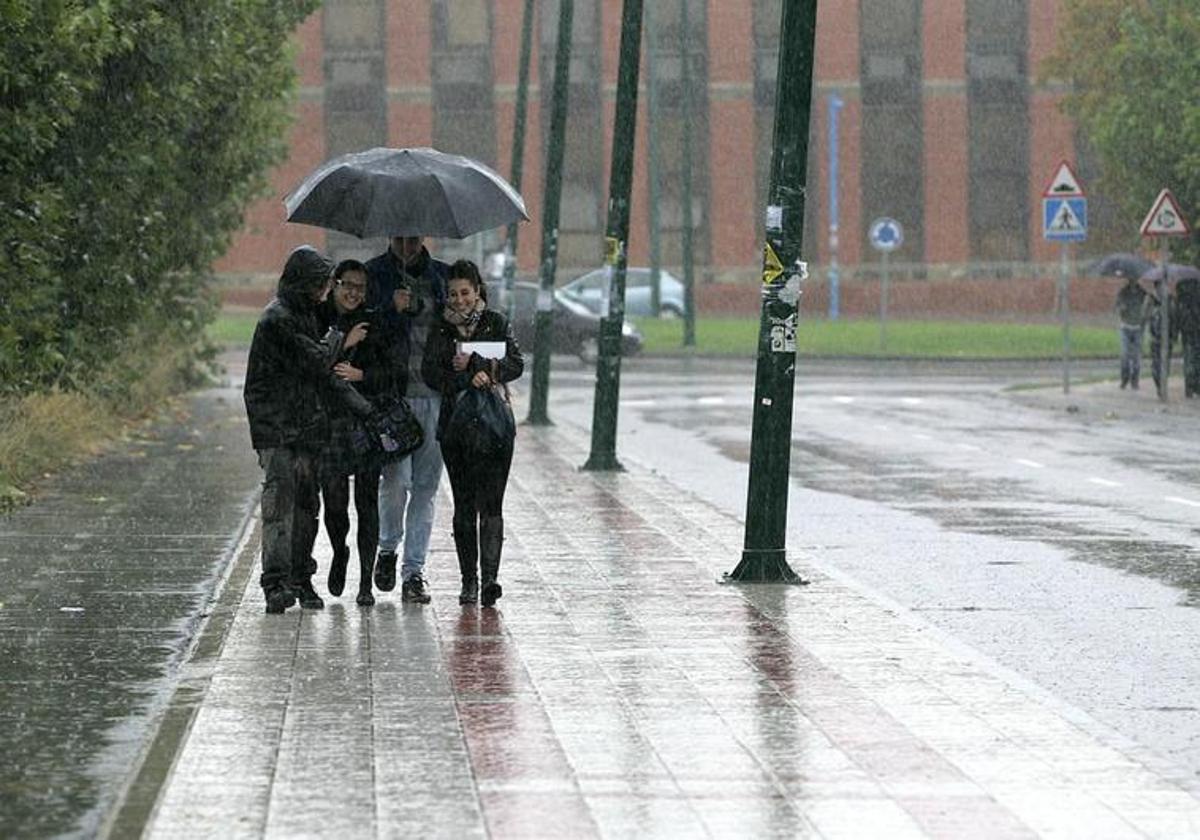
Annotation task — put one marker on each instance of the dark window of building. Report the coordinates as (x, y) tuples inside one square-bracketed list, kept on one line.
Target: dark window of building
[(464, 113), (998, 111), (355, 97), (581, 220), (672, 48), (892, 124)]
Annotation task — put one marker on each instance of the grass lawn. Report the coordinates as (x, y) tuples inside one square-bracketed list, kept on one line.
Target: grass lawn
[(909, 339)]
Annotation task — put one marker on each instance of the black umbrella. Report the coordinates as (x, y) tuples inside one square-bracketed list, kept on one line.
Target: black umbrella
[(1119, 265), (405, 192), (1175, 273)]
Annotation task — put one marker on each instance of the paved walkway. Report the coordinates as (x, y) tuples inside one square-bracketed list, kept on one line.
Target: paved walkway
[(619, 692)]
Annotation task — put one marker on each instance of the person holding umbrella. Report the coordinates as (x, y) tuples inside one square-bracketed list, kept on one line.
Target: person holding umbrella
[(289, 374), (408, 487), (1131, 315), (477, 478)]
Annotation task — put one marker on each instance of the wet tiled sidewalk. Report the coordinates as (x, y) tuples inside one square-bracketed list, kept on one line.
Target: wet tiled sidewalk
[(619, 692)]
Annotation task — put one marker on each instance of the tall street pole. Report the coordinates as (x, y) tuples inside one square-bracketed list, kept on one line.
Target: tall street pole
[(689, 268), (652, 166), (518, 152), (608, 364), (544, 320), (763, 556)]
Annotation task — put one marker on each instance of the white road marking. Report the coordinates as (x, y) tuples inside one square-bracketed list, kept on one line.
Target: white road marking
[(912, 400), (1179, 501), (1026, 462), (1104, 482), (969, 447), (711, 401), (843, 400), (638, 403)]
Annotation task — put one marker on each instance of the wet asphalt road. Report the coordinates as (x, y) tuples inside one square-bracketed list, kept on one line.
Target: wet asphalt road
[(1055, 533)]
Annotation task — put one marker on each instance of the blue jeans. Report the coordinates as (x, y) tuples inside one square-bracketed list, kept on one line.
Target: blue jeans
[(1131, 354), (407, 491)]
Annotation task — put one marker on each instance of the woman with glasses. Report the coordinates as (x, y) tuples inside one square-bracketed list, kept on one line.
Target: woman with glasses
[(372, 369)]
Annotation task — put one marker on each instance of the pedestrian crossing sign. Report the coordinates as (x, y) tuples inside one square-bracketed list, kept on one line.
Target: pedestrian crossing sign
[(1064, 219)]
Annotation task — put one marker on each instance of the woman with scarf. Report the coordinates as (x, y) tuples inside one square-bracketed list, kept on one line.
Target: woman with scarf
[(477, 481)]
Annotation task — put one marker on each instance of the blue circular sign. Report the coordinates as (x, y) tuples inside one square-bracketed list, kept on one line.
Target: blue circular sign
[(886, 234)]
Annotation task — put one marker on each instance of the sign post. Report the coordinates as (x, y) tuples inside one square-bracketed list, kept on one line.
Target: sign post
[(1064, 220), (1164, 219), (886, 235)]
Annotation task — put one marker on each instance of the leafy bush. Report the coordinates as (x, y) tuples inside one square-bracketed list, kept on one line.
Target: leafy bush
[(134, 132)]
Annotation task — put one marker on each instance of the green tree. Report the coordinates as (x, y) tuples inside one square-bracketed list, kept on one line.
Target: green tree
[(129, 158), (1134, 71)]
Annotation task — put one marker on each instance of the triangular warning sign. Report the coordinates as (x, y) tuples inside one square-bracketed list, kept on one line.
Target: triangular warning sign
[(772, 267), (1165, 218), (1064, 184), (1065, 220)]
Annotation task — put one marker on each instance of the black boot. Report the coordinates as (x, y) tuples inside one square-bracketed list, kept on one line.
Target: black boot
[(337, 570), (466, 543), (307, 596), (365, 561), (491, 541), (385, 571)]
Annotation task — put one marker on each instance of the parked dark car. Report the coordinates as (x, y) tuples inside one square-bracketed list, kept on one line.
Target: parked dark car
[(591, 288), (576, 329)]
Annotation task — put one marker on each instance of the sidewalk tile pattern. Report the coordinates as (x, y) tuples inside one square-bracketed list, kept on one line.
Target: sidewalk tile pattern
[(618, 692)]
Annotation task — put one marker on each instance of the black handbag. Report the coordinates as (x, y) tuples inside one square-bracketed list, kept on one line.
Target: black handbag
[(398, 431), (481, 423)]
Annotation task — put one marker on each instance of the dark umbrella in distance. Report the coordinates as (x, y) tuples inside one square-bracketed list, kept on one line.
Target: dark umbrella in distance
[(405, 192), (1175, 273), (1119, 265)]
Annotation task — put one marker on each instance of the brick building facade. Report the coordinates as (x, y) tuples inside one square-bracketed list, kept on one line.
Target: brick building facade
[(943, 125)]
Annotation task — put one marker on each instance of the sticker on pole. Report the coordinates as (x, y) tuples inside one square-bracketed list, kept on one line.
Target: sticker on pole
[(612, 250), (772, 267), (1165, 218)]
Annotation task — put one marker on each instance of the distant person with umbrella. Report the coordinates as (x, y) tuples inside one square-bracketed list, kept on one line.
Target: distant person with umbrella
[(1153, 311), (408, 487), (289, 376), (1187, 313), (1131, 313)]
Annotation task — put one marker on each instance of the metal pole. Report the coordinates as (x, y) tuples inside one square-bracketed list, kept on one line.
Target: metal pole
[(763, 557), (1064, 294), (518, 152), (835, 110), (1162, 286), (883, 300), (689, 273), (652, 165), (544, 320), (608, 364)]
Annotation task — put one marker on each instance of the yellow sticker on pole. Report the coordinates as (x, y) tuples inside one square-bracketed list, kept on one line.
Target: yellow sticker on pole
[(772, 267), (612, 250)]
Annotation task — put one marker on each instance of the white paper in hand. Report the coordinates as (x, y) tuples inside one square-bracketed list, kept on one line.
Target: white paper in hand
[(485, 349)]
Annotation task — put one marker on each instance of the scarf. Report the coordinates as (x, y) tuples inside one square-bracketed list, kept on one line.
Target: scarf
[(465, 323)]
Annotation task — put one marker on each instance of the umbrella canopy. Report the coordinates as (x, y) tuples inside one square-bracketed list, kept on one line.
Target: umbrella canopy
[(1175, 273), (1119, 265), (405, 192)]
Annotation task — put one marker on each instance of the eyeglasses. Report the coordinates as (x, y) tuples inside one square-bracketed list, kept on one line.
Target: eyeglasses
[(353, 288)]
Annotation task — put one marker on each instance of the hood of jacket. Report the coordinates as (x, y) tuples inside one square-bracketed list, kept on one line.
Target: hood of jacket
[(304, 273)]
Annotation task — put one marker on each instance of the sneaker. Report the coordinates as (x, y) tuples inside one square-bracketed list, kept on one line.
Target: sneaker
[(385, 571), (308, 597), (279, 600), (413, 591)]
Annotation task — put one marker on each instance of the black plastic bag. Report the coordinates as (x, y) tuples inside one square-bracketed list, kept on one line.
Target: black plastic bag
[(481, 423)]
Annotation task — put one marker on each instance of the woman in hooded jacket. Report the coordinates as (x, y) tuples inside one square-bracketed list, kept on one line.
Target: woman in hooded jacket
[(477, 482)]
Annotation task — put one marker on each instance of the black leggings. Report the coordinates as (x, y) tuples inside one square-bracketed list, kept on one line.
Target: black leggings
[(477, 484), (336, 493)]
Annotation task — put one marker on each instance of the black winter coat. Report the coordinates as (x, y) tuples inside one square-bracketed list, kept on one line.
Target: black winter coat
[(289, 371), (382, 356), (437, 368)]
